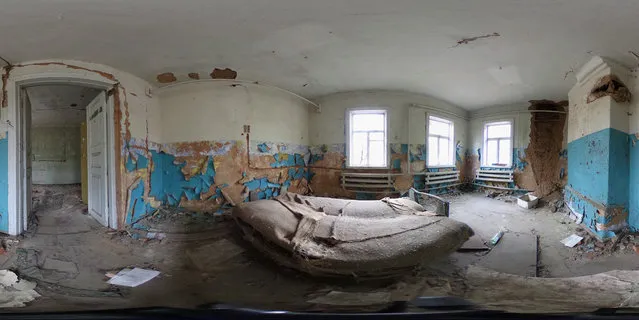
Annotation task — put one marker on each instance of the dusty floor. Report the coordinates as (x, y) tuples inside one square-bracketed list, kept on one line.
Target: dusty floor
[(68, 254)]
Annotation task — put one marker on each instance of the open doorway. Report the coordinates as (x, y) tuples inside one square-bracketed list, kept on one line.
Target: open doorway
[(65, 155)]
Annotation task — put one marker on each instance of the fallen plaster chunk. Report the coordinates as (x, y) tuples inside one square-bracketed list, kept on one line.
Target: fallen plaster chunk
[(15, 293)]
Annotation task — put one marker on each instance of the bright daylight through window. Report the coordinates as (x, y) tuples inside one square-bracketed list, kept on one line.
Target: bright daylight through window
[(440, 142), (498, 144), (367, 138)]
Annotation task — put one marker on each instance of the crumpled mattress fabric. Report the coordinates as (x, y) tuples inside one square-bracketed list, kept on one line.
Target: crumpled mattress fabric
[(340, 237)]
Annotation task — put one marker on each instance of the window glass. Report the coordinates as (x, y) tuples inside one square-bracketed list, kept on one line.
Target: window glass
[(440, 142), (367, 144)]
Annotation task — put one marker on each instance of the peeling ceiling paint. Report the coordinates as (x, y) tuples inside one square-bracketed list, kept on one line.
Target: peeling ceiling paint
[(316, 48)]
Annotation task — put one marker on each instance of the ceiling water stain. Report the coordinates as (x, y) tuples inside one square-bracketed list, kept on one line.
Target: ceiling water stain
[(224, 74), (166, 77)]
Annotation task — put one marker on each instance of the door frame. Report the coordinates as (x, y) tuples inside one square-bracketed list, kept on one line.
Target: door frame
[(16, 179)]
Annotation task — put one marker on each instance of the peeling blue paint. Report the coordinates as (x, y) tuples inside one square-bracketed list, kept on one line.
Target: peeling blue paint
[(518, 155), (397, 164), (598, 168), (263, 147)]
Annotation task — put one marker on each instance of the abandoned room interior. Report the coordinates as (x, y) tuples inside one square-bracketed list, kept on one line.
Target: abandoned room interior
[(319, 156)]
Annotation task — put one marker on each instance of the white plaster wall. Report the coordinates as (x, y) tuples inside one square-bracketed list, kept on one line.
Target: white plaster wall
[(516, 113), (633, 107), (140, 105), (328, 127), (66, 171), (587, 118), (209, 111)]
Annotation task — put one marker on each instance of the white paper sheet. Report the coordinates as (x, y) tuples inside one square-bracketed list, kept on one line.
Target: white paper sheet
[(133, 278), (572, 240)]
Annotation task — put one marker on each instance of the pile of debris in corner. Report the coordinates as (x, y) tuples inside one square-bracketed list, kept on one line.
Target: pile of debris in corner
[(506, 196), (592, 247), (173, 224)]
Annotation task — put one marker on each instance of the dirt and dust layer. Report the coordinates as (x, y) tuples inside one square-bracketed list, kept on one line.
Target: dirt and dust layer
[(69, 255)]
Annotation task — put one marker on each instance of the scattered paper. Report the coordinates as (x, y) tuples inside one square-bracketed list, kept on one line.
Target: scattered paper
[(133, 278), (572, 241)]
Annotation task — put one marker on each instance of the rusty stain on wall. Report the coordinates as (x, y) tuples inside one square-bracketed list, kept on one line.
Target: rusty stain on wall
[(166, 77), (194, 75), (223, 74)]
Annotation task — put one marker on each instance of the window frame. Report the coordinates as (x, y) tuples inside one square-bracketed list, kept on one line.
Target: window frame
[(511, 122), (451, 142), (349, 133)]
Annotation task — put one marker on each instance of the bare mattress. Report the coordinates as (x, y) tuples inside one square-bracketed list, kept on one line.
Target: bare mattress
[(340, 237)]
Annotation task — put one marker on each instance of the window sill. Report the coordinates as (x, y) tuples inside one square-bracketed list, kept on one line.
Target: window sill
[(367, 168), (441, 167), (497, 167)]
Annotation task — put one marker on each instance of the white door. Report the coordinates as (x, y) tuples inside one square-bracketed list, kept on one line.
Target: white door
[(26, 153), (97, 157)]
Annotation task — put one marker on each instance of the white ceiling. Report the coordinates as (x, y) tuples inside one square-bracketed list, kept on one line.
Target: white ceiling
[(59, 105), (317, 47)]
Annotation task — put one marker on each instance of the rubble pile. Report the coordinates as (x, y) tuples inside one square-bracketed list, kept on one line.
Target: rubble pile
[(591, 247)]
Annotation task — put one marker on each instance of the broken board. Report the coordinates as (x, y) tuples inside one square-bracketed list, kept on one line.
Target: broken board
[(515, 253), (474, 243)]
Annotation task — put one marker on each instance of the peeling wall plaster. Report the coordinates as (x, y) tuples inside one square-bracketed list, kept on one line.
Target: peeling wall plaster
[(136, 112)]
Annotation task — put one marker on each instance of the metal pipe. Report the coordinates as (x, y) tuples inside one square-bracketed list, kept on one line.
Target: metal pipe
[(316, 105)]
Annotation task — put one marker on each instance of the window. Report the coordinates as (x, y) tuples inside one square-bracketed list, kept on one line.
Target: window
[(367, 138), (440, 142), (498, 144)]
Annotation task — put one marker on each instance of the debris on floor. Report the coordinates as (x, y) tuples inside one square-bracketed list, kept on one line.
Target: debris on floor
[(592, 247), (495, 239), (516, 293), (340, 298), (572, 240), (215, 255), (15, 292), (475, 243), (133, 277), (177, 220)]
